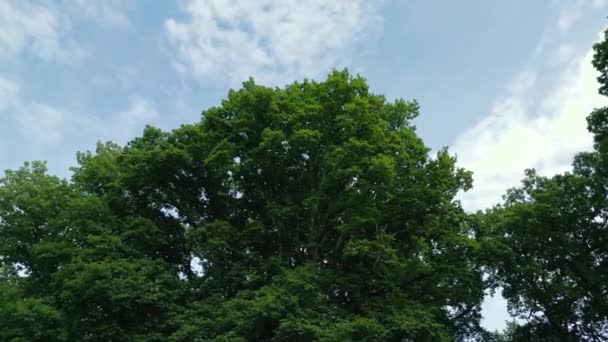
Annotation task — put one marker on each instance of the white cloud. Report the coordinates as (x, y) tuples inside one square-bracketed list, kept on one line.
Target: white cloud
[(61, 133), (46, 125), (38, 28), (140, 111), (9, 92), (40, 123), (52, 129), (45, 28), (523, 82), (573, 10), (524, 131), (271, 40), (599, 3), (564, 54), (569, 16), (107, 13)]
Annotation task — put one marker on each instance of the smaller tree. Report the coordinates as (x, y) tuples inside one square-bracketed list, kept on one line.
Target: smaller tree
[(548, 243)]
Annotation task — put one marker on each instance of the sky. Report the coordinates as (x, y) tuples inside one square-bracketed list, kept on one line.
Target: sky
[(506, 85)]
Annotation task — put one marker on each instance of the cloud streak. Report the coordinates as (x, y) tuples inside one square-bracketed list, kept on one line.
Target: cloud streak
[(45, 30), (271, 40), (112, 14), (38, 28), (573, 10), (9, 92)]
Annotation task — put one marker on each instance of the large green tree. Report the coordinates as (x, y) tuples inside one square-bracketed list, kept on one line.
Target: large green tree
[(314, 212), (548, 243)]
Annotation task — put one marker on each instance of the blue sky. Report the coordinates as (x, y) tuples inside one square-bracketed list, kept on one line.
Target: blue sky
[(506, 85)]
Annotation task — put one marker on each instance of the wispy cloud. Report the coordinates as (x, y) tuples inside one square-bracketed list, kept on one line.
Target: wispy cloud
[(572, 11), (9, 93), (38, 28), (62, 132), (45, 29), (140, 110), (570, 15), (271, 40), (524, 131), (113, 14)]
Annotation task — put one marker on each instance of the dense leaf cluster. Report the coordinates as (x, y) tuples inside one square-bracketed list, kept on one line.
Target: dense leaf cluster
[(314, 212)]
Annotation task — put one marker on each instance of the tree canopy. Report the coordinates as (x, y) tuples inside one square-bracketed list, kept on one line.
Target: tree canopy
[(311, 212)]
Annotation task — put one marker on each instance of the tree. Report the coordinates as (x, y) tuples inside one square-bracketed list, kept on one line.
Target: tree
[(548, 242), (70, 274), (315, 211)]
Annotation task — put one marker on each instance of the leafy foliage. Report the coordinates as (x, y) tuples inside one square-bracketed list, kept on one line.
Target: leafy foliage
[(315, 212)]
